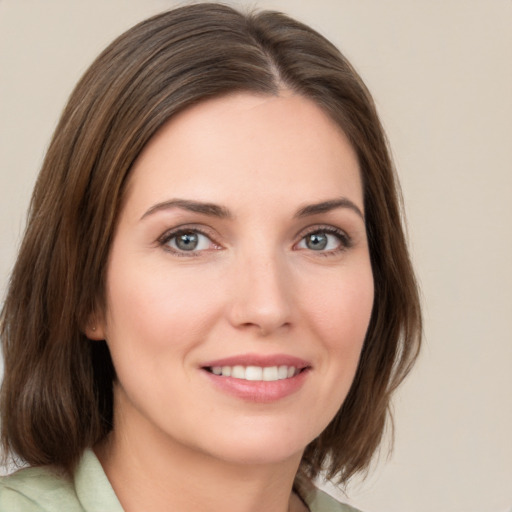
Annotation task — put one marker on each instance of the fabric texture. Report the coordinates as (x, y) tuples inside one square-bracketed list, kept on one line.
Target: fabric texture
[(46, 490)]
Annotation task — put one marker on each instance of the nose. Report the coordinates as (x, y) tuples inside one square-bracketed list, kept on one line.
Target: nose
[(262, 295)]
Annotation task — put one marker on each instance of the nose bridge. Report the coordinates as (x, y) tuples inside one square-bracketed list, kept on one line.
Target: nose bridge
[(262, 295)]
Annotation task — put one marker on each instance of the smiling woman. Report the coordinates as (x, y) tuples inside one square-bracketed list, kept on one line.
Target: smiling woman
[(222, 299), (222, 304)]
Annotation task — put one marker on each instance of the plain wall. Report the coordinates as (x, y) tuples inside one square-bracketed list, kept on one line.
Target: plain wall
[(441, 75)]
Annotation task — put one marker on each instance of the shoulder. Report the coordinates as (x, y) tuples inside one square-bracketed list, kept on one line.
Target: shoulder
[(38, 490), (46, 489), (319, 501)]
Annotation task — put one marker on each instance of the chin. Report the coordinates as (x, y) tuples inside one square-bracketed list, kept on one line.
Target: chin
[(259, 447)]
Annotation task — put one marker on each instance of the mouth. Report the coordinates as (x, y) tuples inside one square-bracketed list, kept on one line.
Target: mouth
[(258, 378), (256, 373)]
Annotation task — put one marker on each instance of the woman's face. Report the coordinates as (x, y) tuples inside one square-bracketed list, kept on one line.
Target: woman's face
[(239, 285)]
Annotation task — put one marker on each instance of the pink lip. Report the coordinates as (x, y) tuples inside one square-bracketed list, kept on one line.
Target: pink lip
[(258, 391)]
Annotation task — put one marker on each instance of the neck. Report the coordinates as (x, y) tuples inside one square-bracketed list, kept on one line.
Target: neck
[(157, 473)]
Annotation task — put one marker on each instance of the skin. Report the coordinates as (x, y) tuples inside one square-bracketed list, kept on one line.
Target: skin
[(253, 285)]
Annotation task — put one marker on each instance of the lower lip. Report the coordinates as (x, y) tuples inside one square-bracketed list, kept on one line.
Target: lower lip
[(257, 390)]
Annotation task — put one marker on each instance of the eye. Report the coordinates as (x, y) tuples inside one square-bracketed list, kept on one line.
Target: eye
[(187, 241), (325, 240)]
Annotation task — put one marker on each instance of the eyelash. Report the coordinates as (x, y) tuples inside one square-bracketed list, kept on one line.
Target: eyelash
[(184, 230), (343, 238)]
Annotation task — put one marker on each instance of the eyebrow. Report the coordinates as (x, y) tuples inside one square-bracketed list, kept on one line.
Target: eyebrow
[(327, 206), (221, 212), (211, 209)]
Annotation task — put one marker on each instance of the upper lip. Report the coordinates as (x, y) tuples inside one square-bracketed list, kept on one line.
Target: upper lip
[(259, 360)]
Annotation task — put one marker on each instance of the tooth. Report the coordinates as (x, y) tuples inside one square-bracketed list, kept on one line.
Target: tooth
[(270, 373), (282, 372), (238, 372), (256, 373), (253, 373)]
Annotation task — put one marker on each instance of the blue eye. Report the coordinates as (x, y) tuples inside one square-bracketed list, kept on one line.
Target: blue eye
[(188, 241), (317, 241), (324, 240)]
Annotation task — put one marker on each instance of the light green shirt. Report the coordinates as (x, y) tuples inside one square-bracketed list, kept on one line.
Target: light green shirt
[(44, 490)]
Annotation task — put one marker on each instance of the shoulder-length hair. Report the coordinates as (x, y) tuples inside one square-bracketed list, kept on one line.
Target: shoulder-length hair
[(58, 384)]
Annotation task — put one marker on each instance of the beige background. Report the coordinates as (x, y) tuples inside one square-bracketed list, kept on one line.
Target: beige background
[(441, 74)]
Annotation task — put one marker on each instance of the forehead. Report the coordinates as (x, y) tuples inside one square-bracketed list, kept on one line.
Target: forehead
[(247, 146)]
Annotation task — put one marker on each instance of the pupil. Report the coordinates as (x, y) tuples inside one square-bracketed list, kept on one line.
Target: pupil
[(187, 241), (317, 241)]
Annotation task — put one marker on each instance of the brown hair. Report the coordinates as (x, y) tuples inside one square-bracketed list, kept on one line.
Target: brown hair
[(58, 384)]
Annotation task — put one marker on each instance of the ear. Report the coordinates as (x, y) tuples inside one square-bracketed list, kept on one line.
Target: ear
[(95, 328)]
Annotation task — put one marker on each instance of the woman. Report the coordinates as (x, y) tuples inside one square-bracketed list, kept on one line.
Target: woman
[(213, 301)]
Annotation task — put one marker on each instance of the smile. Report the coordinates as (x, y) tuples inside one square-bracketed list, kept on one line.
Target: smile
[(255, 373), (258, 378)]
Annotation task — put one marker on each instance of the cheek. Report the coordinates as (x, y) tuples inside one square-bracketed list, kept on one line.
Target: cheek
[(342, 311), (150, 306), (338, 317)]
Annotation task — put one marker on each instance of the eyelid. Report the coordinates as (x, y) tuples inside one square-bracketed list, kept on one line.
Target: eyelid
[(171, 233), (344, 238)]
